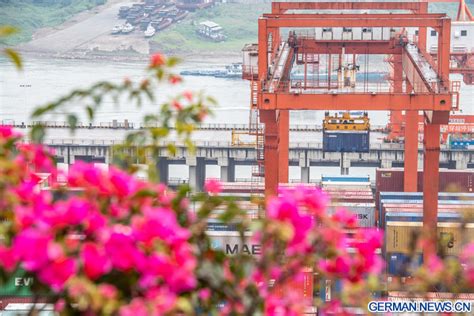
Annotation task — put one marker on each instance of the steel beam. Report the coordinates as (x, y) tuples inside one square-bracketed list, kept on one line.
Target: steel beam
[(317, 46), (355, 101), (282, 7)]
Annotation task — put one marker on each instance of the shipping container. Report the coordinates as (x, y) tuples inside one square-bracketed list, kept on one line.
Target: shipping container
[(391, 180), (339, 141), (429, 296), (448, 200), (329, 289), (304, 288), (345, 185), (231, 243), (344, 179), (21, 305), (19, 285), (242, 187), (401, 264), (417, 216), (466, 210), (365, 212), (399, 235), (457, 203)]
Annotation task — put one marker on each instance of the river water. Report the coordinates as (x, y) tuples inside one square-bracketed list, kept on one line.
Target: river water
[(44, 80)]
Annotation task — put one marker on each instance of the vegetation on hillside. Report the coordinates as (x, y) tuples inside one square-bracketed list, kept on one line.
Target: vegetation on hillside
[(238, 20), (30, 15)]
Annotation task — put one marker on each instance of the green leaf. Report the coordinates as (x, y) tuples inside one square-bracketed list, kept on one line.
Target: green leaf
[(7, 30), (172, 149), (40, 111), (14, 57), (72, 121), (37, 133), (172, 61), (90, 112)]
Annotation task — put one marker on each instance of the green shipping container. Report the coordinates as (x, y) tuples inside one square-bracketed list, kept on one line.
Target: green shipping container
[(18, 285)]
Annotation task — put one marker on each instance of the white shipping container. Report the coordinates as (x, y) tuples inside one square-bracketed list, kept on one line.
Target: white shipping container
[(365, 212), (231, 243)]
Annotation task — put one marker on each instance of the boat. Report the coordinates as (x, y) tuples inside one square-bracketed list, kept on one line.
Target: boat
[(128, 28), (180, 15), (231, 71), (117, 29), (150, 31), (165, 23)]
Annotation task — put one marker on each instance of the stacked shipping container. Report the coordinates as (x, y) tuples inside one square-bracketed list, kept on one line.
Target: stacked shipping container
[(401, 217), (353, 194), (391, 180)]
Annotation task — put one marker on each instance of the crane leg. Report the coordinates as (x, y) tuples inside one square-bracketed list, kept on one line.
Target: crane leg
[(283, 145), (411, 151), (269, 118), (430, 188)]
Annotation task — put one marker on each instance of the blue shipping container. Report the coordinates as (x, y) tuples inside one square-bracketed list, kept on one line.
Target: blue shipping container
[(418, 217), (399, 264), (344, 179), (348, 142)]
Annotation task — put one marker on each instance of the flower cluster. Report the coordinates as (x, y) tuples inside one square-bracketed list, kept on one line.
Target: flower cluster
[(313, 240), (108, 225)]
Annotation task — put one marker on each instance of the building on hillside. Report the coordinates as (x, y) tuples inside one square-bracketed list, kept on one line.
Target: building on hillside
[(211, 30)]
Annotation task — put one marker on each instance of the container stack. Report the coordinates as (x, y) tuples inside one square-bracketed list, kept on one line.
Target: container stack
[(391, 180), (401, 217), (353, 194)]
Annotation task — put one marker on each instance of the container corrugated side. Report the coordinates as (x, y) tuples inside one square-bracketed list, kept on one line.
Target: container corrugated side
[(346, 141), (231, 243), (365, 212), (304, 288), (400, 264), (19, 285), (466, 204), (391, 180), (399, 235), (344, 179)]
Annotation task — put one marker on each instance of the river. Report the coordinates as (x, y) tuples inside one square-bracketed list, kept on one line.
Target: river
[(43, 80)]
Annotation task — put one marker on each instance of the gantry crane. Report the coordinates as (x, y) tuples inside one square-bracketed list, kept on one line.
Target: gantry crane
[(316, 41), (462, 58)]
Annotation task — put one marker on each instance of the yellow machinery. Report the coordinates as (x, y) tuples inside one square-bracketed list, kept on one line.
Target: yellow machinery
[(237, 142), (346, 122)]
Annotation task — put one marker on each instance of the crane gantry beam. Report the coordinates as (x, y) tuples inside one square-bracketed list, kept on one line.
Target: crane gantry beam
[(283, 7)]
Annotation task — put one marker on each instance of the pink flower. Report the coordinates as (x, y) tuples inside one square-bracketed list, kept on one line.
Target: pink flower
[(174, 79), (7, 132), (122, 251), (95, 261), (177, 105), (137, 307), (188, 95), (204, 294), (30, 246), (435, 264), (8, 259), (213, 186), (344, 217), (108, 291), (57, 273)]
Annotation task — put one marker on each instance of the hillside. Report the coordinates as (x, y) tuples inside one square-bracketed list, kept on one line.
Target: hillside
[(30, 15), (238, 20), (240, 25)]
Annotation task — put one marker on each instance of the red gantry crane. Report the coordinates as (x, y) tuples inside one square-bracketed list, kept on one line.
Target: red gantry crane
[(321, 43)]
